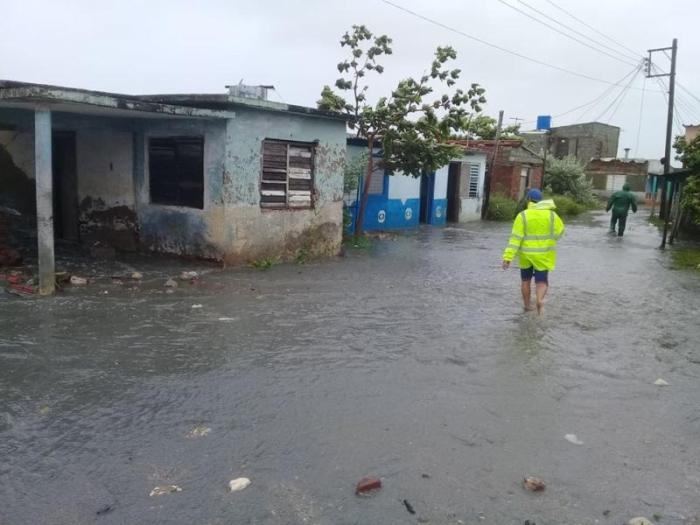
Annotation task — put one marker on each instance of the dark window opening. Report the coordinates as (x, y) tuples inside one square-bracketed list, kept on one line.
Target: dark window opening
[(287, 179), (176, 171)]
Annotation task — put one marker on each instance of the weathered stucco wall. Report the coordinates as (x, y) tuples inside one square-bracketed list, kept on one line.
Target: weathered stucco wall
[(178, 229), (263, 232)]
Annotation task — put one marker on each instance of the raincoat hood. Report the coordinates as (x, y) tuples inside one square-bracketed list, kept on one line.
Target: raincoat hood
[(625, 187), (546, 204)]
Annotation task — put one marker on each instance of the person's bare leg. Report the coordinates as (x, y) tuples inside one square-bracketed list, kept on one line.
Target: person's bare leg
[(540, 292), (525, 289)]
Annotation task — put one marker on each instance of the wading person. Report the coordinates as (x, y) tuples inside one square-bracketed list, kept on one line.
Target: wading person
[(534, 237), (620, 202)]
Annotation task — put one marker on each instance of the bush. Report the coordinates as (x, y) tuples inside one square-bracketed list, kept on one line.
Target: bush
[(568, 207), (501, 208), (566, 177)]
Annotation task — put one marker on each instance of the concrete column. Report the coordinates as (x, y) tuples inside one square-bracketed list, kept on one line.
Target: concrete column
[(44, 200)]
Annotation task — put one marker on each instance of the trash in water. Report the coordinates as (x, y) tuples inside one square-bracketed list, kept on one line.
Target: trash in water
[(195, 306), (161, 490), (137, 276), (228, 318), (367, 484), (44, 409), (572, 438), (78, 281), (117, 280), (171, 283), (639, 521), (409, 507), (534, 484), (661, 382), (198, 431), (238, 484), (105, 510), (186, 276)]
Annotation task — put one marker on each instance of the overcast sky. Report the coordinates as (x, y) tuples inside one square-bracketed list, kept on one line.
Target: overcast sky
[(180, 46)]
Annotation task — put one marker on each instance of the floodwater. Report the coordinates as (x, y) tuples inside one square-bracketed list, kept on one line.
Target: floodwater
[(412, 362)]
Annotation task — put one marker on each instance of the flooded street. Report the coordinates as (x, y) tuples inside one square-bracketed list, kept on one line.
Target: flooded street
[(412, 362)]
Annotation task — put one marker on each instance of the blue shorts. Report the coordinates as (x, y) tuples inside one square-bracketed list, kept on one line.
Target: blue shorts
[(541, 276)]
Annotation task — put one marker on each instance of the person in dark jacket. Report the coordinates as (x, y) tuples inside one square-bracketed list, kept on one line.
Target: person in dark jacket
[(621, 202)]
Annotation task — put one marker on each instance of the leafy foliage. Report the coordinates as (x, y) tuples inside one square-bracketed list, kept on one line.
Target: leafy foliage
[(411, 125), (501, 208), (689, 154), (484, 127), (354, 168), (566, 177)]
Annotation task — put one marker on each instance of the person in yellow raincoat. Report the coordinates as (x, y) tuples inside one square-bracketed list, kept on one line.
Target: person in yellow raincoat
[(534, 237)]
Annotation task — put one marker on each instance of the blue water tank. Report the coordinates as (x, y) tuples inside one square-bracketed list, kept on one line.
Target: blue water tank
[(544, 122)]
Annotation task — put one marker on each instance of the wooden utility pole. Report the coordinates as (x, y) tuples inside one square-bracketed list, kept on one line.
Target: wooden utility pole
[(492, 164), (664, 209)]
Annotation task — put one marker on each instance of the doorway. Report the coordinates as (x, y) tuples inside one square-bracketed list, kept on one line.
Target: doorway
[(453, 199), (65, 186)]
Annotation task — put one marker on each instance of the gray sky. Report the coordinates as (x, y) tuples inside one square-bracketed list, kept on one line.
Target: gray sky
[(186, 46)]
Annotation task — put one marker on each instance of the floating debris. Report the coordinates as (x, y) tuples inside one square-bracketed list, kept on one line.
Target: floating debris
[(572, 438), (409, 507), (238, 484), (187, 276), (195, 306), (367, 485), (162, 490), (228, 318), (534, 484), (199, 431), (639, 521), (171, 283), (661, 382), (78, 281), (137, 276)]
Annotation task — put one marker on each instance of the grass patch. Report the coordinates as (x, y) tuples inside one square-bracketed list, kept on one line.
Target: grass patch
[(686, 259), (265, 263), (501, 208)]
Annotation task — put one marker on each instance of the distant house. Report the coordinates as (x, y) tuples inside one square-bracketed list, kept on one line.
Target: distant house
[(608, 175), (583, 141), (230, 177), (397, 201), (515, 167)]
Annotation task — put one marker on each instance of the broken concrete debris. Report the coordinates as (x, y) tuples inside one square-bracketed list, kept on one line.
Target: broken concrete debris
[(238, 484), (368, 484), (75, 280), (188, 276), (534, 484), (162, 490)]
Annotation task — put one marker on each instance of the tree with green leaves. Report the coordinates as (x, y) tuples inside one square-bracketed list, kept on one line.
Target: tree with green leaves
[(566, 176), (484, 127), (688, 152), (411, 127)]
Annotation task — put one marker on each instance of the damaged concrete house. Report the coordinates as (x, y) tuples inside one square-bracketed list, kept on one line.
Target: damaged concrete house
[(230, 177)]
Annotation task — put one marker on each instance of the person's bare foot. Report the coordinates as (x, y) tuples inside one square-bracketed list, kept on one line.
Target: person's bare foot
[(540, 308), (528, 308)]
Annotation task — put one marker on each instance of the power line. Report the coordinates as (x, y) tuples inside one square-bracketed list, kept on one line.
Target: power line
[(621, 95), (687, 91), (602, 96), (639, 120), (592, 28), (633, 57), (495, 46), (563, 33)]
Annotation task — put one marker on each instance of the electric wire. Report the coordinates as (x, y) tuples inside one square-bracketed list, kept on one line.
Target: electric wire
[(621, 95), (591, 27), (496, 46), (563, 33), (641, 115), (597, 42)]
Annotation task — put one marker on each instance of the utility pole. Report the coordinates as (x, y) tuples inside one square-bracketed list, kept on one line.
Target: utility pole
[(492, 164), (664, 209)]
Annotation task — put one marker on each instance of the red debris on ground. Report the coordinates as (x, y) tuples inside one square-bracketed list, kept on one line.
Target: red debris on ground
[(367, 484)]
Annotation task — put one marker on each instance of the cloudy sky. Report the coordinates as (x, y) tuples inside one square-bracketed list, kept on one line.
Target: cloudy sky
[(175, 46)]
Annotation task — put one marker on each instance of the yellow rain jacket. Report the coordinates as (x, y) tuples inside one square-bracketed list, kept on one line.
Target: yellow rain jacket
[(536, 231)]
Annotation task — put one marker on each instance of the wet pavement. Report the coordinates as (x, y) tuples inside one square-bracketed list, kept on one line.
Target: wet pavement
[(412, 362)]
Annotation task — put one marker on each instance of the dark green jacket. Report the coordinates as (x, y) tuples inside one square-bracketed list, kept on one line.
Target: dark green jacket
[(621, 201)]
